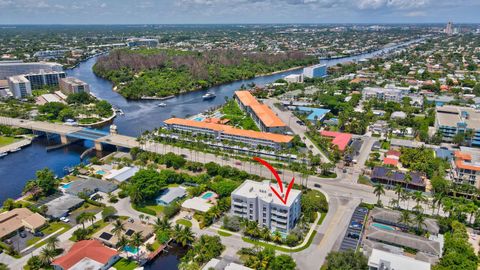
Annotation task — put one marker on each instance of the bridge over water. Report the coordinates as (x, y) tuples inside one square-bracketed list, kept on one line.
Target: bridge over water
[(67, 133)]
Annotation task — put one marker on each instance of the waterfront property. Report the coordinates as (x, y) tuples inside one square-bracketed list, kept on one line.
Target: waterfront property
[(228, 133), (122, 174), (89, 186), (451, 120), (169, 195), (263, 116), (316, 71), (339, 139), (71, 85), (391, 177), (465, 167), (19, 219), (87, 254), (255, 201)]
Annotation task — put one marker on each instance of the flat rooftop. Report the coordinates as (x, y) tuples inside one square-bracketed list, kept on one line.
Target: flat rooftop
[(73, 81), (262, 190), (450, 116), (395, 261)]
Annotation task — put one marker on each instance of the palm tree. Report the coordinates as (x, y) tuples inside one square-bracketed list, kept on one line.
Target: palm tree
[(378, 190), (46, 255), (162, 224), (393, 203), (399, 191), (185, 237), (122, 243), (277, 237), (405, 218), (137, 241), (52, 242), (407, 179), (118, 228), (89, 217), (215, 212), (177, 230), (418, 197), (419, 221), (82, 218)]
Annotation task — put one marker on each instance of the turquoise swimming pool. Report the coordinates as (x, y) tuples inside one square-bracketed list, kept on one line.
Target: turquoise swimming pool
[(130, 249), (199, 119), (100, 172), (67, 185), (207, 195), (383, 226)]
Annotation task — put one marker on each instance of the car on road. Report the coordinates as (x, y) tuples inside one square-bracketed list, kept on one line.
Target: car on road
[(317, 185), (65, 219), (238, 163), (300, 123)]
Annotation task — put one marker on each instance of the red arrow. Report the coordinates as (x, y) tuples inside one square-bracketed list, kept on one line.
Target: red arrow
[(284, 199)]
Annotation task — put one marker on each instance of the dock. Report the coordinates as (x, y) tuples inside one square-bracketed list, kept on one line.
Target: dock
[(15, 145)]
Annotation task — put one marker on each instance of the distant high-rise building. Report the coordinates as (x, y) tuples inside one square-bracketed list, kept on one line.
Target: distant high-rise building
[(142, 42), (21, 86), (72, 85), (449, 29), (14, 68), (316, 71)]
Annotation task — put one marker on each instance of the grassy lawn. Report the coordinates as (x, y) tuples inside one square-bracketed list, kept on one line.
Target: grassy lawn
[(149, 208), (262, 244), (125, 264), (362, 179), (184, 222), (237, 117), (320, 221), (51, 228), (95, 227), (7, 140), (222, 233)]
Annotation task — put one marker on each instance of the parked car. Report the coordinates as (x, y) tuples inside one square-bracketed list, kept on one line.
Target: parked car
[(65, 219), (353, 235), (238, 163), (22, 234), (38, 234)]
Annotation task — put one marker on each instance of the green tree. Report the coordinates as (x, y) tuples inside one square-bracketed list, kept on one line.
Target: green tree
[(346, 260), (378, 190), (282, 262)]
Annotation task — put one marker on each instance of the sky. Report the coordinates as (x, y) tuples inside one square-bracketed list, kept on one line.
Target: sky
[(237, 11)]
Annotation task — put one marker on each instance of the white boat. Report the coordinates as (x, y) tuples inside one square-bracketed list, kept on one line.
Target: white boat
[(15, 150), (162, 104), (209, 95), (3, 154)]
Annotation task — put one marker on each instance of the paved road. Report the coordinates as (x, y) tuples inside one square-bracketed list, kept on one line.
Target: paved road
[(291, 120)]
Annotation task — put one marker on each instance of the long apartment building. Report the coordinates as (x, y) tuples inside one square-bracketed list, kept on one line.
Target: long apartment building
[(391, 94), (451, 120), (229, 133), (13, 68), (465, 167), (255, 201), (263, 116)]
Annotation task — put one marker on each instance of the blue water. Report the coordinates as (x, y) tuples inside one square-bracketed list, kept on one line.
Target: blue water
[(207, 195), (130, 249), (67, 186), (100, 172), (383, 226), (198, 119)]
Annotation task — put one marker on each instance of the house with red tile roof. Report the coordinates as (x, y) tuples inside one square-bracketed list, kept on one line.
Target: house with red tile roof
[(87, 254), (342, 140), (390, 161)]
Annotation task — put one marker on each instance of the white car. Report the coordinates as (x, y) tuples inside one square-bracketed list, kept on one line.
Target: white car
[(65, 219)]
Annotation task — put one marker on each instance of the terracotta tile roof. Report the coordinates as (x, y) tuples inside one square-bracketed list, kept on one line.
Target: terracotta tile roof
[(463, 156), (459, 161), (393, 153), (390, 161), (339, 139), (92, 249), (263, 112), (278, 138)]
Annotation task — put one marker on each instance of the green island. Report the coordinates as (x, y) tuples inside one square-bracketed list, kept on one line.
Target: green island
[(160, 72)]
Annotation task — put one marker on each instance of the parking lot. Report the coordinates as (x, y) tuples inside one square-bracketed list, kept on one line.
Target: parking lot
[(19, 243), (353, 236)]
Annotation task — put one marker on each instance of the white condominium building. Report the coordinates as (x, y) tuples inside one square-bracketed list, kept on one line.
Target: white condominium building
[(19, 86), (71, 85), (255, 201)]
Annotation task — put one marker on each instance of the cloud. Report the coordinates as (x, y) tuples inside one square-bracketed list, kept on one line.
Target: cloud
[(416, 14), (395, 4)]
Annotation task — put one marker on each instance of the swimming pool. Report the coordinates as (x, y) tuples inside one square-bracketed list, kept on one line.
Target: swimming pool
[(67, 185), (207, 195), (383, 226), (100, 172), (130, 249), (199, 119)]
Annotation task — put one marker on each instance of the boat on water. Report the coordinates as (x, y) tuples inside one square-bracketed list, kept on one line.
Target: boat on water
[(162, 104), (3, 154), (209, 95), (15, 150)]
